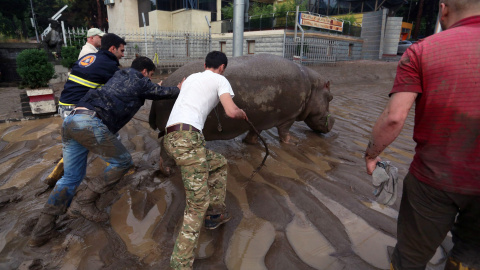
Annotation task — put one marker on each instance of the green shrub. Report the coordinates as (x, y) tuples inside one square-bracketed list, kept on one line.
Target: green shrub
[(227, 11), (69, 56), (34, 68)]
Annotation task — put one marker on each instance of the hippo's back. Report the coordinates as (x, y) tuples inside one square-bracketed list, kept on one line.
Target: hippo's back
[(269, 88)]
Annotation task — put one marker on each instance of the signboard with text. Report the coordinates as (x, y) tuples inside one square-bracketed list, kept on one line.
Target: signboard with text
[(320, 22)]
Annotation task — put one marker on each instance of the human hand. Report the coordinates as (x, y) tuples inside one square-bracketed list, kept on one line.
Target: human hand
[(160, 83), (244, 116), (180, 84), (371, 163)]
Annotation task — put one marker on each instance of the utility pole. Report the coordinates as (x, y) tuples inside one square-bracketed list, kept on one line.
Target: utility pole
[(34, 21), (238, 21)]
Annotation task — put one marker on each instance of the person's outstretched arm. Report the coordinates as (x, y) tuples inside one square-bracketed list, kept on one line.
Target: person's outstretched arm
[(388, 126), (231, 108)]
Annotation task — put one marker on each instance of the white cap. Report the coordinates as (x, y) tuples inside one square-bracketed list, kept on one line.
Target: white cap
[(94, 32)]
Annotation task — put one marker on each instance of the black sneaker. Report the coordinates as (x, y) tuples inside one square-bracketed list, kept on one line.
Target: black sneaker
[(213, 221)]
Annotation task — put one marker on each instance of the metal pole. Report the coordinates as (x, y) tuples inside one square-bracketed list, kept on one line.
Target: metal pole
[(145, 30), (64, 36), (286, 20), (238, 19), (296, 21), (209, 35), (34, 21)]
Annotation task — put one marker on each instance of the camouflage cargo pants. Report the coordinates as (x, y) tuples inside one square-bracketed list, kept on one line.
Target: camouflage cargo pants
[(204, 175)]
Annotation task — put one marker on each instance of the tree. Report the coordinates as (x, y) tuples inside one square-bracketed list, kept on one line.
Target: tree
[(12, 17), (15, 15)]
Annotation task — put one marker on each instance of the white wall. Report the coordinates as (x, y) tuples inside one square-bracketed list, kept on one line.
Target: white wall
[(123, 15)]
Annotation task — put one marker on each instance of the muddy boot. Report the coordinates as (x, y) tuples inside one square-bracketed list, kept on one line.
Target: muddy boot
[(55, 175), (84, 205), (43, 231)]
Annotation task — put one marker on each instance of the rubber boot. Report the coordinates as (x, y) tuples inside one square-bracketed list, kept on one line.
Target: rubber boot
[(84, 205), (43, 231), (453, 264), (55, 175)]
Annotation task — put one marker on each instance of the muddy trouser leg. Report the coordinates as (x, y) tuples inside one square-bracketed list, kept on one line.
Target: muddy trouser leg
[(57, 172), (188, 150), (117, 157), (425, 217), (83, 133), (75, 164), (217, 182), (95, 136)]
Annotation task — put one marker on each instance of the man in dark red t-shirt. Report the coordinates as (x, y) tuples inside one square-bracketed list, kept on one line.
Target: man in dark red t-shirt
[(441, 75)]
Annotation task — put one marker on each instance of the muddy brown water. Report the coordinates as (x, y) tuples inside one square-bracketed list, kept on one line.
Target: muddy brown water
[(311, 207)]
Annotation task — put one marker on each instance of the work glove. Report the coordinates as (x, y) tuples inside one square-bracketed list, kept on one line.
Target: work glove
[(385, 181)]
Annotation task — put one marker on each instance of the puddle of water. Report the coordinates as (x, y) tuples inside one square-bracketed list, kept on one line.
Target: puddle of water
[(310, 245), (367, 242), (23, 134), (206, 245), (23, 177), (249, 244), (137, 234)]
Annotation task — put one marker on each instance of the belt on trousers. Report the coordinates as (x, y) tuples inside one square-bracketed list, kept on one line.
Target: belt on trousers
[(88, 112), (184, 127)]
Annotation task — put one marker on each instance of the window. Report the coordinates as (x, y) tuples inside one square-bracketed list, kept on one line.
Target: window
[(251, 46), (223, 46)]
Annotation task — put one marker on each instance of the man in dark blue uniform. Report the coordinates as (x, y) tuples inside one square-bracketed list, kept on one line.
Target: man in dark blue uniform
[(91, 127), (91, 71)]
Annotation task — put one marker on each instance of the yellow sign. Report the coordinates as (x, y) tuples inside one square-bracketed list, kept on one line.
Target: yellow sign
[(321, 22)]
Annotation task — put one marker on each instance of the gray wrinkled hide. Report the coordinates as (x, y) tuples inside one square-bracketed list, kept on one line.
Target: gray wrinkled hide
[(273, 91)]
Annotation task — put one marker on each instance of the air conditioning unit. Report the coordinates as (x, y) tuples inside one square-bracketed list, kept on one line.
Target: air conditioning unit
[(109, 2)]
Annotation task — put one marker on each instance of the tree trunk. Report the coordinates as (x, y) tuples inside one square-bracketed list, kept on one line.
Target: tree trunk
[(419, 19), (99, 15)]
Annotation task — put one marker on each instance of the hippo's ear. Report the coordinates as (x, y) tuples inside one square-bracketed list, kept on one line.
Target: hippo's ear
[(327, 85)]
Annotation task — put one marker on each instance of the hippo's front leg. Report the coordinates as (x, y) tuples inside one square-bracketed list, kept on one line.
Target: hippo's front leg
[(284, 131)]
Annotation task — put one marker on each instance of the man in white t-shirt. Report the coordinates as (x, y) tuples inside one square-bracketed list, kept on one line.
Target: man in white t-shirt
[(204, 172), (94, 41)]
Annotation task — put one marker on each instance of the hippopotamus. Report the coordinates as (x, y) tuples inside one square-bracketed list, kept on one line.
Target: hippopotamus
[(273, 91)]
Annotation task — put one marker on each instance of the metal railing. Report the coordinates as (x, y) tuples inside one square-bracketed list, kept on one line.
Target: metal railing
[(166, 49), (273, 21), (312, 51)]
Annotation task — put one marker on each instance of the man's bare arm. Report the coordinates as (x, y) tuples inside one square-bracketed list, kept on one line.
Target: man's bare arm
[(388, 126), (231, 108)]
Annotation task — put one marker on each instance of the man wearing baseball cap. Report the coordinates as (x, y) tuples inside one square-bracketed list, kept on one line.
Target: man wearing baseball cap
[(94, 41)]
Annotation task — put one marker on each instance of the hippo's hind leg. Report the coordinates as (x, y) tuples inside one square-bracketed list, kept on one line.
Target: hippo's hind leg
[(252, 137), (283, 131)]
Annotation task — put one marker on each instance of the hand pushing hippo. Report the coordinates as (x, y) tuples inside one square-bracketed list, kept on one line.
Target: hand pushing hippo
[(273, 91)]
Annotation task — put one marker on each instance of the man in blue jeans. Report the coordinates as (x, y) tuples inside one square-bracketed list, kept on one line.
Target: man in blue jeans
[(91, 127), (90, 71)]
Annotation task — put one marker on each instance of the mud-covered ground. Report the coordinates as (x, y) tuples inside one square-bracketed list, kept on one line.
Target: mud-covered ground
[(311, 207)]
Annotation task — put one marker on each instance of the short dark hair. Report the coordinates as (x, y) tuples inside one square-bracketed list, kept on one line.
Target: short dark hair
[(215, 59), (109, 40), (142, 62)]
